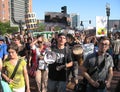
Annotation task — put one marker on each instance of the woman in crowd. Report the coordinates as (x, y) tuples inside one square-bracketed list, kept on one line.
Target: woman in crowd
[(41, 77), (21, 47), (20, 81)]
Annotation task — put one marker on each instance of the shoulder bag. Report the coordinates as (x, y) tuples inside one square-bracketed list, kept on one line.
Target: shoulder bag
[(14, 72), (15, 69), (4, 86)]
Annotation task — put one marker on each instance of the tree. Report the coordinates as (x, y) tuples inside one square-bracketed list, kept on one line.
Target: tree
[(41, 27), (5, 28), (57, 28)]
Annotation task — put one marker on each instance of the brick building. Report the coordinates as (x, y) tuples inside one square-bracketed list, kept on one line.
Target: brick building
[(4, 10)]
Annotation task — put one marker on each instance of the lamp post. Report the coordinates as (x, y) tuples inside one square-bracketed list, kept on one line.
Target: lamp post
[(108, 14)]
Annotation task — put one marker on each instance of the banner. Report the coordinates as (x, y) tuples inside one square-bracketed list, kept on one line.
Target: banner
[(101, 26), (47, 34), (87, 49)]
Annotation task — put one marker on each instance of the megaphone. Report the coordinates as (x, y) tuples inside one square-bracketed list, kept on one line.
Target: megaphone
[(50, 57)]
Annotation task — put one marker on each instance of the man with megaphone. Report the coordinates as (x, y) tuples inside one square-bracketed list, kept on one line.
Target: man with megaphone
[(57, 74)]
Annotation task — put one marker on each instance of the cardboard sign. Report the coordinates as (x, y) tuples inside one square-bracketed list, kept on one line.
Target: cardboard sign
[(87, 49)]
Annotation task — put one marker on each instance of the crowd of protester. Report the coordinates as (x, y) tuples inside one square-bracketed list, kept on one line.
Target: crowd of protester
[(31, 50)]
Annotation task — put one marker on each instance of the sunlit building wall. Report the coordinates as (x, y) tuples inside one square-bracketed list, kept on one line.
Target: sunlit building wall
[(31, 21), (4, 10), (30, 6)]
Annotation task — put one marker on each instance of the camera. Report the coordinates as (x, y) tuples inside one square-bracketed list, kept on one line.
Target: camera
[(102, 84)]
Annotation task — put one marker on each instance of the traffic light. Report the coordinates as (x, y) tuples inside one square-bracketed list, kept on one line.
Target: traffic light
[(64, 9), (89, 21), (81, 24)]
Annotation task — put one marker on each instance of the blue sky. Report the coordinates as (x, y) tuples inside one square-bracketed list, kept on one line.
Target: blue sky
[(88, 9)]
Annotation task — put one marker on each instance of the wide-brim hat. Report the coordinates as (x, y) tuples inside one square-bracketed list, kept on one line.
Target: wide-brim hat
[(50, 57)]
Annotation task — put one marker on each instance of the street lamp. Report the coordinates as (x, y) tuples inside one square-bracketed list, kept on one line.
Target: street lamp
[(108, 14)]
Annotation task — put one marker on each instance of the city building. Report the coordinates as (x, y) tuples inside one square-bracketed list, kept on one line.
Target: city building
[(30, 21), (18, 11), (30, 6), (75, 20), (4, 10), (114, 25)]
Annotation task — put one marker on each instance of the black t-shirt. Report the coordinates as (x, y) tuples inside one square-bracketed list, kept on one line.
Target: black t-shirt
[(27, 46), (21, 51), (62, 59)]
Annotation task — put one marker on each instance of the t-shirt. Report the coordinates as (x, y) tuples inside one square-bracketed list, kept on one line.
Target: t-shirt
[(36, 53), (61, 59), (90, 64), (18, 80), (116, 46), (21, 51), (3, 50)]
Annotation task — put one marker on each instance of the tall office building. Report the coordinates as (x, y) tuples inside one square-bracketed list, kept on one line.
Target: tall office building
[(30, 18), (75, 20), (4, 10)]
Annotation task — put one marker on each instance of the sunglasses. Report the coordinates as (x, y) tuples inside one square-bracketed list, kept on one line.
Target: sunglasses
[(104, 44), (39, 42)]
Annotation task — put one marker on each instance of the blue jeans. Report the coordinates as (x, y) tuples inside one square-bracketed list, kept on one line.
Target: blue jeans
[(92, 89), (56, 86)]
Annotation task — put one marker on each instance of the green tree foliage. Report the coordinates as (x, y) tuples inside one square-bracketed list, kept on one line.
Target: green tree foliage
[(41, 27), (5, 28), (57, 28)]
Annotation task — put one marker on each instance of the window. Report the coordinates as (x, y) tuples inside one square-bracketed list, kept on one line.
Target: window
[(3, 12), (3, 5)]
